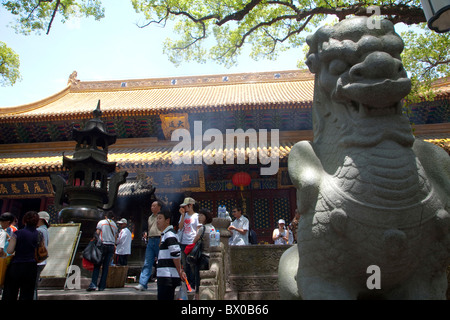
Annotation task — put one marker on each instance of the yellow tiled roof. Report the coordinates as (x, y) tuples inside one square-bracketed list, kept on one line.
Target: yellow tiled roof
[(129, 158), (141, 153), (443, 143), (156, 96), (293, 88), (442, 85), (135, 153)]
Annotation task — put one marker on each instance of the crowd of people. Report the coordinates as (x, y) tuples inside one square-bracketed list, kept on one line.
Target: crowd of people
[(169, 249), (23, 271), (168, 244)]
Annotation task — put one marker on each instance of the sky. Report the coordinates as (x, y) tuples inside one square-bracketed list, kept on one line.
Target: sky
[(113, 48)]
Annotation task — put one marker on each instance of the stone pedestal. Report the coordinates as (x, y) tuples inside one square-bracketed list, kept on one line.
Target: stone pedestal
[(213, 283), (225, 235), (254, 272), (222, 225)]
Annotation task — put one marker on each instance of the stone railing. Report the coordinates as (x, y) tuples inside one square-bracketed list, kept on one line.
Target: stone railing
[(241, 272), (246, 273), (254, 272), (212, 281)]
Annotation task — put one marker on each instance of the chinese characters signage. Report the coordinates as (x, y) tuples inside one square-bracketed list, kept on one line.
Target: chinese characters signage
[(25, 187), (177, 180), (172, 121)]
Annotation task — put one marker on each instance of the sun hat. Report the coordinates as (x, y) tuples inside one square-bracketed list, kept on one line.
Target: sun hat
[(45, 216), (187, 201)]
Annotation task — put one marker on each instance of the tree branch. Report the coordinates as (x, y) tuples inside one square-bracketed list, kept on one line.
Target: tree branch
[(53, 15), (408, 14), (263, 24), (58, 2), (239, 15), (187, 14), (287, 4), (195, 39), (395, 13), (37, 6), (157, 22)]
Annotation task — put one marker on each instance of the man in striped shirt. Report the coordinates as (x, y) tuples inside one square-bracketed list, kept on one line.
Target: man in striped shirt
[(169, 272)]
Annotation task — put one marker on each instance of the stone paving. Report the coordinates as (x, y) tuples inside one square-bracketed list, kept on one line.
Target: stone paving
[(126, 293)]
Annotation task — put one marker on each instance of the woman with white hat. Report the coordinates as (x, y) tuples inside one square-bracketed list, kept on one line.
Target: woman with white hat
[(280, 235)]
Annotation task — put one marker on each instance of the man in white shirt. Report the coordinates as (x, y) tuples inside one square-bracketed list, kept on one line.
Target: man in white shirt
[(107, 232), (239, 228), (123, 243)]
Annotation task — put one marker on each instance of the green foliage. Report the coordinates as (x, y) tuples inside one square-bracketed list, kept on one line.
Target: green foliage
[(218, 29), (38, 15), (9, 66), (426, 58)]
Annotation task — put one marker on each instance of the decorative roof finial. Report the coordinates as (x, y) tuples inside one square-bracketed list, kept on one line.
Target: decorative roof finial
[(97, 112), (73, 79)]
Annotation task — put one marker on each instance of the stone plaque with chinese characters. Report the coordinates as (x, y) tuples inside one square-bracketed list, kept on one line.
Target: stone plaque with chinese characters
[(25, 187), (175, 179)]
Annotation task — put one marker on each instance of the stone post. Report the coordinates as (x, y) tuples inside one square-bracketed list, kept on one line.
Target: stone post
[(225, 235), (222, 225)]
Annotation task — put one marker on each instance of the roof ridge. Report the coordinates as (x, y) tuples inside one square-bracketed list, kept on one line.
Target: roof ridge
[(34, 105), (190, 81)]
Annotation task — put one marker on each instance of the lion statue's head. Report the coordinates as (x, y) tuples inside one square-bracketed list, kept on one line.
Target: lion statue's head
[(359, 73)]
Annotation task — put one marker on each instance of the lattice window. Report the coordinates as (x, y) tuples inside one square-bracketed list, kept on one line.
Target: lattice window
[(53, 213), (207, 204), (281, 210), (261, 211)]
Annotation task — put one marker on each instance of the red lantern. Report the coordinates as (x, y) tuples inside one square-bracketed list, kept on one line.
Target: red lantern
[(241, 179)]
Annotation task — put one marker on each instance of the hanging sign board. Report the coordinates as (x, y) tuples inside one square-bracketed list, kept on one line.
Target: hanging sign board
[(30, 187)]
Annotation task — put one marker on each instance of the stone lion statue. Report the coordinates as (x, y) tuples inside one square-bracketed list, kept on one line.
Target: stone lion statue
[(369, 194)]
